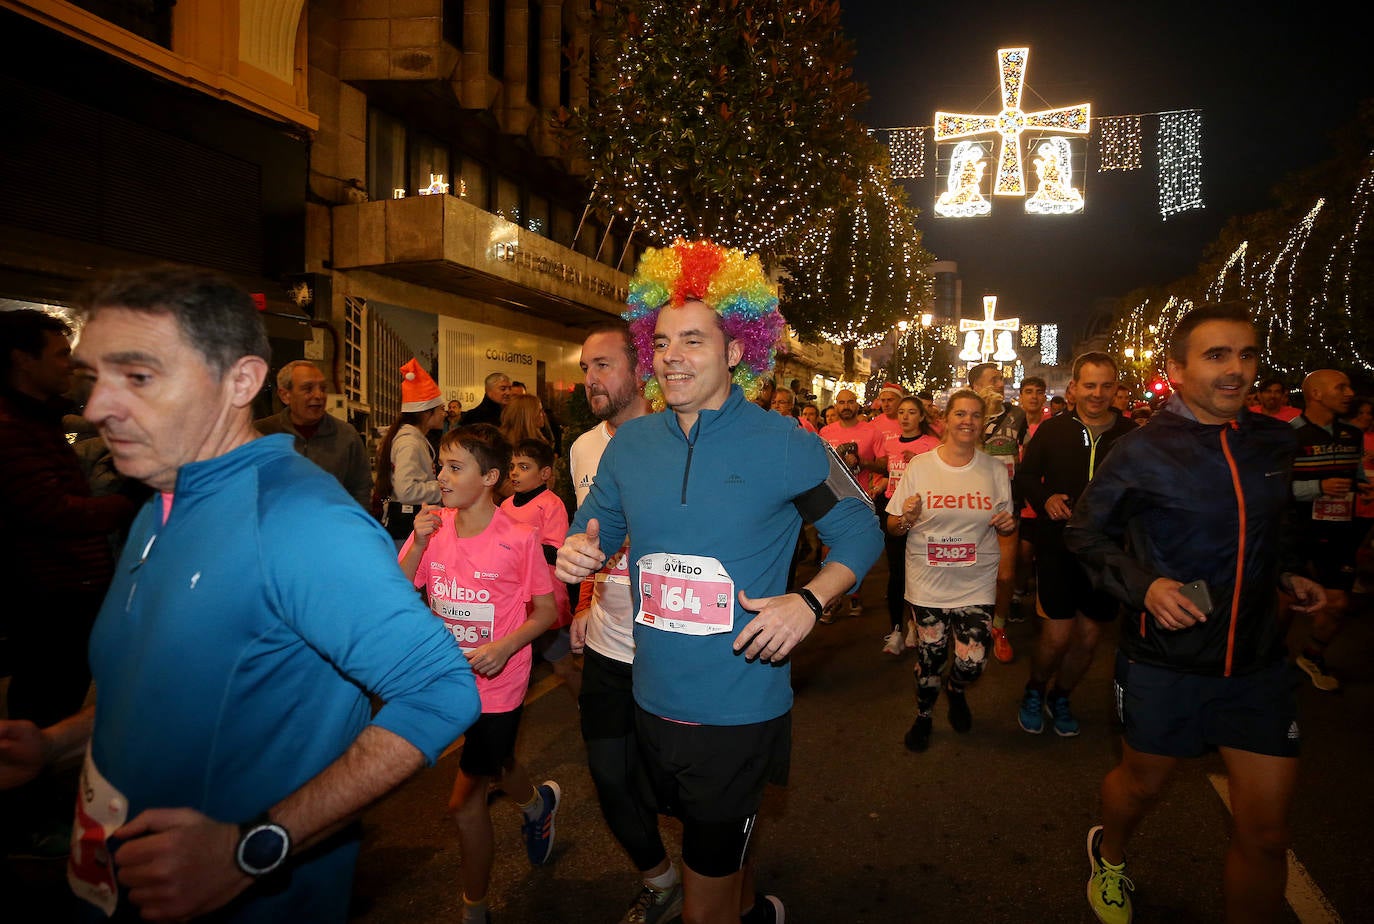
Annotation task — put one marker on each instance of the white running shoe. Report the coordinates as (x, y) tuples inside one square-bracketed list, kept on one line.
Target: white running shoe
[(892, 642)]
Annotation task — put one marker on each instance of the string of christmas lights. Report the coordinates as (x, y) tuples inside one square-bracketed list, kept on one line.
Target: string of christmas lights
[(1118, 142), (907, 147), (1180, 162)]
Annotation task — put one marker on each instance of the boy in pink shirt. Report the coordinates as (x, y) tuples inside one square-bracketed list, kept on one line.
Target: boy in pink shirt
[(532, 503), (479, 569)]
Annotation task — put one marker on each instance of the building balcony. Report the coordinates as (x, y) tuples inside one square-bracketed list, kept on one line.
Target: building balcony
[(446, 243)]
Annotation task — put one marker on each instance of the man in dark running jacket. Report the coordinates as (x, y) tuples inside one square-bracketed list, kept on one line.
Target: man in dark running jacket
[(1197, 498)]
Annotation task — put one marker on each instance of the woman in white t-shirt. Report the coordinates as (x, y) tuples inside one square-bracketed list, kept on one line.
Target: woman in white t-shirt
[(951, 504)]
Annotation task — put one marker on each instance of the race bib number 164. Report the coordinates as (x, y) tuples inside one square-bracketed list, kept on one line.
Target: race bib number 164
[(690, 594)]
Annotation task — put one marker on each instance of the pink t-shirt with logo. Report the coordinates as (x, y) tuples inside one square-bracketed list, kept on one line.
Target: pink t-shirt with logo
[(479, 587), (870, 442)]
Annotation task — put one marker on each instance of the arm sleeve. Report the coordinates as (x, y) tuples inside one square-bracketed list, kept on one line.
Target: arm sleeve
[(412, 470), (358, 478), (603, 503), (367, 620), (1030, 475), (1098, 528), (849, 528), (32, 487)]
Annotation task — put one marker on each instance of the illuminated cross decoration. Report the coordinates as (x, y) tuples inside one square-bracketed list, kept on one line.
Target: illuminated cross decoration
[(1011, 122), (989, 327)]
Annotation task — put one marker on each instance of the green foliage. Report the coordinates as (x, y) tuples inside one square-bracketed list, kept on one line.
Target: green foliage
[(734, 121)]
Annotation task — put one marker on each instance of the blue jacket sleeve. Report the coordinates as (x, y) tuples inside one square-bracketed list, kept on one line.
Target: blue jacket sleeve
[(365, 618)]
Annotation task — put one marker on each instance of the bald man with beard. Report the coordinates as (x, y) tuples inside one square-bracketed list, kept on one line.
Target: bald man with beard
[(1327, 476)]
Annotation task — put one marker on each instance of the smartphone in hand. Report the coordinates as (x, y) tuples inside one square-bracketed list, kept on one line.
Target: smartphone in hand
[(1197, 594)]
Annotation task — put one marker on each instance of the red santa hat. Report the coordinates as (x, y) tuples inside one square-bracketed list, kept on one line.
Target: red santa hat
[(418, 391), (894, 388)]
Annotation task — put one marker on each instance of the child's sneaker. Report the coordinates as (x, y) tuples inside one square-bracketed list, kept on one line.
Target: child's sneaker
[(538, 831)]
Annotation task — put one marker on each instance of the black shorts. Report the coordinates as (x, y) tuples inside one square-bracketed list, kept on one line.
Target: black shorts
[(1173, 714), (712, 777), (1063, 589), (490, 743), (1332, 558), (606, 705), (1026, 528)]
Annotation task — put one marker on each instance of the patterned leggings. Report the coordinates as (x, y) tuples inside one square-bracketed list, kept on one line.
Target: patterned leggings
[(971, 629)]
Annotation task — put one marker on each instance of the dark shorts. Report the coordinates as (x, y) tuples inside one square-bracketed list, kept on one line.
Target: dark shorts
[(1026, 528), (490, 743), (1173, 714), (712, 777), (554, 645), (606, 705), (1063, 589), (1332, 558)]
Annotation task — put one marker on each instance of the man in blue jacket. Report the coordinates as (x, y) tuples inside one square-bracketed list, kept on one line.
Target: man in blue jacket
[(1183, 524), (710, 495), (232, 739)]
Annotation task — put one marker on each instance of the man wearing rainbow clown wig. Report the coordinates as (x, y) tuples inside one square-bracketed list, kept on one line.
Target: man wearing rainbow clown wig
[(712, 496)]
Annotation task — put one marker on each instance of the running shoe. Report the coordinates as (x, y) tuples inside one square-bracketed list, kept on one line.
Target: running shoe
[(855, 607), (892, 642), (655, 907), (1065, 724), (1315, 667), (767, 910), (538, 831), (918, 736), (1109, 887), (1031, 718), (960, 718), (1001, 648), (831, 610)]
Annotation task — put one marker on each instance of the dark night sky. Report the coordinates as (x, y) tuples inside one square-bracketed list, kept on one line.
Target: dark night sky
[(1269, 87)]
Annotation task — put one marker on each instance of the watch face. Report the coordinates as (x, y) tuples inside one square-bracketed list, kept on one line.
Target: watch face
[(263, 849)]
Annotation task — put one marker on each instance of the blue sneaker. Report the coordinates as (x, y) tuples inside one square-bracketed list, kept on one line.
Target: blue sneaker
[(1032, 714), (539, 831), (1065, 725)]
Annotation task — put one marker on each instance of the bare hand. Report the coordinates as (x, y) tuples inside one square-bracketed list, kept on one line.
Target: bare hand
[(781, 623), (580, 555), (1335, 487), (178, 863), (427, 523), (1057, 507), (1170, 609), (1309, 596), (22, 753), (1004, 521), (911, 509), (577, 631), (490, 659)]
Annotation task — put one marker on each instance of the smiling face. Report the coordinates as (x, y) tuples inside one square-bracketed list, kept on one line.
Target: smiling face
[(1221, 361), (692, 360), (964, 422), (1096, 390), (156, 401)]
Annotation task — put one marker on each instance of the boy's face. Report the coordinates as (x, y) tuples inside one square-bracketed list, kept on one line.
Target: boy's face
[(526, 475), (462, 482)]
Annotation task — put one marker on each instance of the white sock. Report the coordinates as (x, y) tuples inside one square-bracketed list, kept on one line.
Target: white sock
[(664, 882)]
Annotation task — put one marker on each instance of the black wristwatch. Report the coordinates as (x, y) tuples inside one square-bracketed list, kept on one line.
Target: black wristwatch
[(810, 599), (263, 846)]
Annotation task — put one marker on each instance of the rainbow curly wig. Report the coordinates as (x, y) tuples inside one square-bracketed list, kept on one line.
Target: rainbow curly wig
[(729, 282)]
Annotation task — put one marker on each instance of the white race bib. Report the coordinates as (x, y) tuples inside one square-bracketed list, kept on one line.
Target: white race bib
[(470, 624), (1330, 509), (100, 811), (690, 594), (951, 552)]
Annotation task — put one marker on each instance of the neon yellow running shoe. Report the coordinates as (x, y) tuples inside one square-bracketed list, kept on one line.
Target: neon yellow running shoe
[(1109, 887)]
